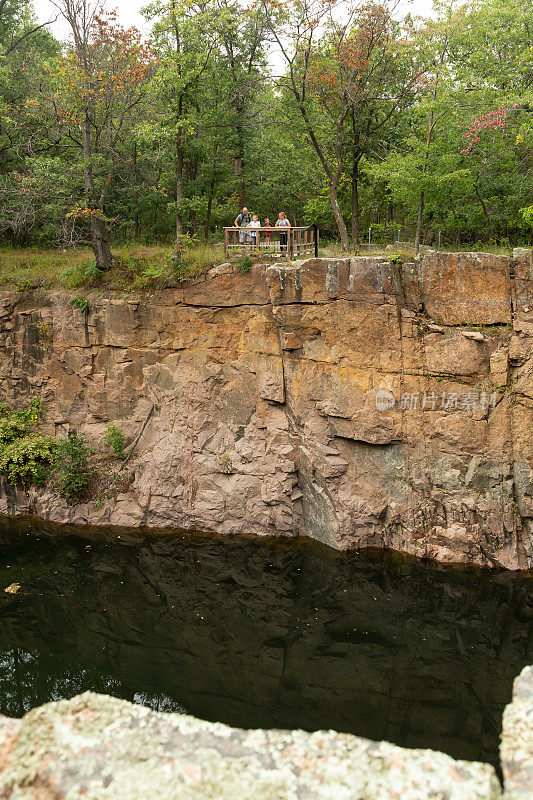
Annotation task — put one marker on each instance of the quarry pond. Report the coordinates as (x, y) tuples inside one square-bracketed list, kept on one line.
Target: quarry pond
[(263, 633)]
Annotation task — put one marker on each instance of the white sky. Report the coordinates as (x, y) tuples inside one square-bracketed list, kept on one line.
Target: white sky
[(129, 12)]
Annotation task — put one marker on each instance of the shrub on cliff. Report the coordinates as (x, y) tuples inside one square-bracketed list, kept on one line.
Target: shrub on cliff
[(115, 439), (70, 466), (28, 457), (26, 460), (245, 264), (25, 454)]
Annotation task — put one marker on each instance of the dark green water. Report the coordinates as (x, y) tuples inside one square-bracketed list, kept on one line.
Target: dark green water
[(262, 633)]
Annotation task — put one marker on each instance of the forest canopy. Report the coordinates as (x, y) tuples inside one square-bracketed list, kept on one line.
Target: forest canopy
[(341, 113)]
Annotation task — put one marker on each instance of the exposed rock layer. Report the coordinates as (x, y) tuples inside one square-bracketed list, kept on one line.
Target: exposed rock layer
[(355, 401)]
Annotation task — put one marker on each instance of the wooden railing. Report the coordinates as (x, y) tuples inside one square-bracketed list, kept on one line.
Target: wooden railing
[(291, 241)]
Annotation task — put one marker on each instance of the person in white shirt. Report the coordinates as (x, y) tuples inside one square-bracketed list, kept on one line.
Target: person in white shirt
[(282, 222), (255, 223)]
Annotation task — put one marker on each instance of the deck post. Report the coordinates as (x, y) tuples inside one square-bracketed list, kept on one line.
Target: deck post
[(315, 236), (291, 243), (226, 242)]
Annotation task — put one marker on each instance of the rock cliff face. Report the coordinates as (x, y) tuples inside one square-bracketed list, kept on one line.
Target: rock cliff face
[(357, 401)]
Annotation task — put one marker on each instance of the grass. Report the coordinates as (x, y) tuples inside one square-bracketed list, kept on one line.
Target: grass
[(333, 250), (137, 267)]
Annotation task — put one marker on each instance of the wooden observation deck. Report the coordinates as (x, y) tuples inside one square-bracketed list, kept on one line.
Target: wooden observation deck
[(298, 241)]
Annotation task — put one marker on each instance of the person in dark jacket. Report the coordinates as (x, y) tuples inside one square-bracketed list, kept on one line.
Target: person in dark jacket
[(242, 220)]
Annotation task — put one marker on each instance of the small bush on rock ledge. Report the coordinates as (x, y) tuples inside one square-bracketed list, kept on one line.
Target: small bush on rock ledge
[(26, 460), (115, 439), (245, 264), (70, 466)]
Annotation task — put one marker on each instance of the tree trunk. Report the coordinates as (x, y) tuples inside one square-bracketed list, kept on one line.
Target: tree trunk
[(238, 171), (355, 202), (179, 145), (239, 158), (431, 126), (341, 225), (418, 233), (100, 244), (485, 212), (209, 208), (179, 185), (99, 232), (136, 194)]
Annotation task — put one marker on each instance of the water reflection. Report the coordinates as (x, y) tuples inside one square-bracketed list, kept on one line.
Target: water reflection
[(265, 634), (28, 679)]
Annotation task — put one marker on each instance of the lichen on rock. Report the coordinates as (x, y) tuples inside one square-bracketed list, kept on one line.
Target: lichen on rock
[(99, 748)]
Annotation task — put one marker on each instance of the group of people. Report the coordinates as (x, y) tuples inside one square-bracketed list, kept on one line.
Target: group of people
[(245, 220)]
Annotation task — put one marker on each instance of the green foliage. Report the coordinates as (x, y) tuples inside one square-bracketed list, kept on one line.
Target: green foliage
[(12, 428), (396, 262), (92, 272), (70, 466), (72, 276), (115, 439), (26, 460), (527, 215), (81, 303), (25, 453), (394, 124), (161, 274), (29, 458), (245, 263)]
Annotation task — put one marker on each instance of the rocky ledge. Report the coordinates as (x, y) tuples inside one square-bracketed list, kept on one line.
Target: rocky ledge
[(360, 401), (97, 747)]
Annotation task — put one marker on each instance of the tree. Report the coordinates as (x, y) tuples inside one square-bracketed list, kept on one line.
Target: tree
[(25, 47), (464, 162), (295, 29), (382, 67), (184, 36), (100, 84), (344, 76), (17, 24), (242, 39)]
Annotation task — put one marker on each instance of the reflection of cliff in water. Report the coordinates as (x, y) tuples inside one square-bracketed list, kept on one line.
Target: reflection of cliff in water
[(262, 633)]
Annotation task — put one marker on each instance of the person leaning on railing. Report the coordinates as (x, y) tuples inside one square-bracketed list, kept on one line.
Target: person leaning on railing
[(282, 222)]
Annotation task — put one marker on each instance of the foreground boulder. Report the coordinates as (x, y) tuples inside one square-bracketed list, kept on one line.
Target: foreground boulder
[(97, 747), (517, 740)]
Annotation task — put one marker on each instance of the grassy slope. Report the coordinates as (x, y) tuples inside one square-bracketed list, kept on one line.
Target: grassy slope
[(137, 267)]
